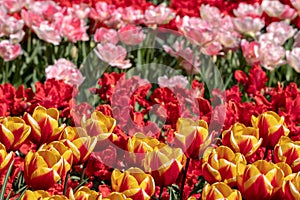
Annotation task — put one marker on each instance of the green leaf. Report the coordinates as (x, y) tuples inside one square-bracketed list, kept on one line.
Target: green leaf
[(3, 189), (174, 192), (198, 186)]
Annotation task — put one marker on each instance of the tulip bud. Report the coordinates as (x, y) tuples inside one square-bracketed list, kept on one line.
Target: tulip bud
[(84, 193), (43, 165), (41, 195), (116, 196), (13, 132), (220, 165), (98, 123), (271, 127), (5, 158), (288, 151), (165, 164), (220, 190), (291, 186), (191, 137), (133, 183), (44, 125), (242, 139), (260, 180)]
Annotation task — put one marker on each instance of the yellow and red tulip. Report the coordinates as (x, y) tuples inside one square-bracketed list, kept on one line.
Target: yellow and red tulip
[(260, 180), (165, 164), (192, 137), (41, 195), (13, 132), (242, 139), (271, 127), (288, 151), (44, 125), (60, 148), (81, 143), (98, 123), (220, 165), (43, 169), (5, 158), (133, 183), (291, 186), (84, 193), (220, 190), (116, 196), (137, 147)]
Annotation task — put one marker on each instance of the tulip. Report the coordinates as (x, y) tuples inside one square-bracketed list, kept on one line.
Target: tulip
[(293, 58), (133, 183), (288, 151), (165, 163), (43, 169), (116, 196), (44, 125), (220, 190), (13, 132), (5, 158), (191, 137), (291, 186), (99, 123), (84, 193), (242, 139), (271, 127), (41, 195), (82, 148), (137, 147), (60, 148), (260, 180), (220, 165)]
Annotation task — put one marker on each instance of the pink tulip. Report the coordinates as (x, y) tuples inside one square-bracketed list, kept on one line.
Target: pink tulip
[(296, 4), (47, 32), (131, 35), (47, 9), (102, 11), (271, 55), (115, 21), (9, 51), (210, 14), (281, 29), (250, 51), (132, 15), (293, 58), (296, 40), (248, 10), (13, 6), (65, 70), (74, 28), (278, 10), (105, 35), (158, 15), (80, 10), (11, 25), (248, 25), (113, 55), (31, 18), (179, 81)]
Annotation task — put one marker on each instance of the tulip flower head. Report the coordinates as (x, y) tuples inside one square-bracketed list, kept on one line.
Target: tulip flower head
[(220, 164), (133, 183), (220, 190), (261, 179), (13, 132), (271, 127), (44, 125)]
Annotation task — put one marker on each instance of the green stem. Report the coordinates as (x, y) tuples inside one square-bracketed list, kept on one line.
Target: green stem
[(83, 172), (3, 189), (184, 177), (66, 183), (161, 192)]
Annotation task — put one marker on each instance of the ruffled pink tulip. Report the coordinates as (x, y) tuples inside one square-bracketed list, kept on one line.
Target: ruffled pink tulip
[(250, 51), (248, 25), (248, 10), (158, 15), (278, 10), (293, 58), (9, 51), (105, 35), (48, 32), (65, 70), (131, 35), (271, 56), (114, 55)]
